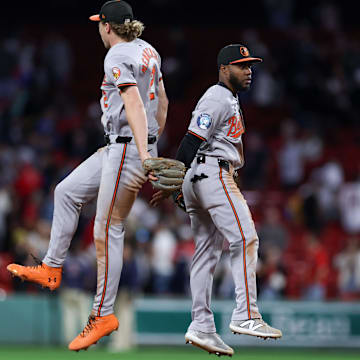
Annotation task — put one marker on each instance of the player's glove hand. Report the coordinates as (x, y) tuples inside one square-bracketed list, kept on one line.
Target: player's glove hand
[(169, 173), (178, 198)]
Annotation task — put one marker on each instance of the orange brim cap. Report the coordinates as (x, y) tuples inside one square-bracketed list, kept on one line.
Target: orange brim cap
[(95, 17), (247, 59)]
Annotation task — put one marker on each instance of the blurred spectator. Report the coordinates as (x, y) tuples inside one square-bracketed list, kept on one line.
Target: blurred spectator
[(142, 258), (184, 252), (266, 90), (348, 264), (311, 212), (271, 274), (290, 158), (57, 58), (5, 210), (331, 178), (349, 205), (79, 279), (163, 251), (254, 173), (5, 280), (272, 233), (318, 266), (124, 338)]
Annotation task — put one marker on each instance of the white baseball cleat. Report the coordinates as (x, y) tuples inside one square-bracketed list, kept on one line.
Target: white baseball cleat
[(209, 342), (255, 327)]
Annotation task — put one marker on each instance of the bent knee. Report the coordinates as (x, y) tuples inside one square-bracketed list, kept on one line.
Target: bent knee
[(61, 190)]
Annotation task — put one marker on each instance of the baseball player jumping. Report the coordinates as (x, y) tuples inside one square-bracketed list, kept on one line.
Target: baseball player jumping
[(134, 105), (212, 150)]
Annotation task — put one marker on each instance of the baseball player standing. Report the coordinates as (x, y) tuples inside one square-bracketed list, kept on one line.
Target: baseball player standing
[(134, 105), (212, 149)]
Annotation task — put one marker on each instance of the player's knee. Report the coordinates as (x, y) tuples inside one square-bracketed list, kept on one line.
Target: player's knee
[(250, 244), (99, 228), (60, 191)]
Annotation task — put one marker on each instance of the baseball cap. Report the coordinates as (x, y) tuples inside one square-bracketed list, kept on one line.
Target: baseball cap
[(235, 53), (117, 11)]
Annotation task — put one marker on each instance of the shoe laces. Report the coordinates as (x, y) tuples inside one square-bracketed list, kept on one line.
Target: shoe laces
[(89, 326), (38, 262)]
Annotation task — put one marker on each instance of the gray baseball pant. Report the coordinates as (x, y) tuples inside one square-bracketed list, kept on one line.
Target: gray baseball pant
[(218, 211)]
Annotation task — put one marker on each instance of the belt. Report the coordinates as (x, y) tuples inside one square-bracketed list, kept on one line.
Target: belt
[(126, 139), (201, 159)]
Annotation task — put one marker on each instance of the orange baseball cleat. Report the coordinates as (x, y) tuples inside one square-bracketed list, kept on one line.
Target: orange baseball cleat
[(42, 274), (95, 329)]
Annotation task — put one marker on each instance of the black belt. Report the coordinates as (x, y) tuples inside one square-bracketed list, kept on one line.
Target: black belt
[(126, 139), (201, 159)]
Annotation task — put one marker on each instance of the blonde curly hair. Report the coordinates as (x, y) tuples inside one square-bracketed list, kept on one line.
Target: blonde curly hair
[(129, 31)]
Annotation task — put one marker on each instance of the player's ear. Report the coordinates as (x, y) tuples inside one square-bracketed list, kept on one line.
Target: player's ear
[(223, 69), (107, 27)]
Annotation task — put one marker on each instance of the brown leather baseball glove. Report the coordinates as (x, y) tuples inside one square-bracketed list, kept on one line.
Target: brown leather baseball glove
[(169, 172)]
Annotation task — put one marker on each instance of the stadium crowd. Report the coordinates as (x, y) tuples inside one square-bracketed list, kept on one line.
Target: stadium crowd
[(302, 158)]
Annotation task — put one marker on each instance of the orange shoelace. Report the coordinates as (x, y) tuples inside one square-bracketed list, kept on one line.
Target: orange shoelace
[(89, 326)]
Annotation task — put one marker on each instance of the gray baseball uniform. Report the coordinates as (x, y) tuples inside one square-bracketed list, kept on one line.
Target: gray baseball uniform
[(114, 173), (217, 208)]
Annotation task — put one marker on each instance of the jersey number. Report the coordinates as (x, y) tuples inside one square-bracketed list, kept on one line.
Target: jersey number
[(152, 83)]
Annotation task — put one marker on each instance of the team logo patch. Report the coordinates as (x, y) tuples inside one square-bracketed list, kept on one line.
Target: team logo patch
[(204, 121), (244, 51), (116, 72)]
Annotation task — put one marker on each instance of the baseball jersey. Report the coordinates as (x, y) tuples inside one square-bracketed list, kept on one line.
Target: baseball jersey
[(218, 120), (126, 64)]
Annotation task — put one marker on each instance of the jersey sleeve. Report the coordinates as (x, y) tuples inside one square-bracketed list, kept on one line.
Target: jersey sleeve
[(205, 118), (119, 69)]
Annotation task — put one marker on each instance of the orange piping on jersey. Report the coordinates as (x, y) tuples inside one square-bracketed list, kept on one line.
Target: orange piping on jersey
[(160, 79), (107, 229), (243, 238), (198, 136), (129, 84)]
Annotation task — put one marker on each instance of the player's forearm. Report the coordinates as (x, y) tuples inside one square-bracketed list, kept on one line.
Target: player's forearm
[(138, 124), (136, 116), (188, 148), (162, 108), (161, 116)]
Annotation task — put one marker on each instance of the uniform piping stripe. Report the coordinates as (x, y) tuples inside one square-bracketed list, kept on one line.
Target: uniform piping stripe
[(129, 84), (107, 229), (243, 238), (198, 136)]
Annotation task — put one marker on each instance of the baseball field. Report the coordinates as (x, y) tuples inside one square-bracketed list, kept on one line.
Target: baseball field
[(173, 353)]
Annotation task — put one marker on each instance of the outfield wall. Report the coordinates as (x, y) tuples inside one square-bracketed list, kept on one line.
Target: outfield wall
[(30, 319)]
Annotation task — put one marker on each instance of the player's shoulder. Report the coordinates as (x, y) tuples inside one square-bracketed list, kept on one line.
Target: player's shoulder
[(219, 94), (129, 50), (121, 52), (145, 45)]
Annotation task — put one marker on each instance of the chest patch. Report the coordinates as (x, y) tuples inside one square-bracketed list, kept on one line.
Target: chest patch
[(204, 121)]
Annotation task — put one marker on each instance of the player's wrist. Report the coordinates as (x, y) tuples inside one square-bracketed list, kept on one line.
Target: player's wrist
[(144, 156)]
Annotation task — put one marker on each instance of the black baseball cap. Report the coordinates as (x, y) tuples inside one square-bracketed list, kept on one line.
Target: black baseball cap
[(117, 11), (235, 53)]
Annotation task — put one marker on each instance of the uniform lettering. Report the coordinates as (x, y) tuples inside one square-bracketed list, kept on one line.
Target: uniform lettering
[(147, 55), (236, 126)]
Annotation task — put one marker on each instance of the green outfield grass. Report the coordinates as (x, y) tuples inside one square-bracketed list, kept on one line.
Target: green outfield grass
[(173, 353)]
